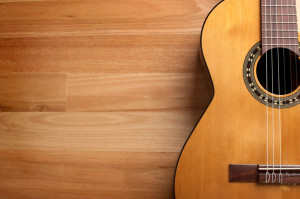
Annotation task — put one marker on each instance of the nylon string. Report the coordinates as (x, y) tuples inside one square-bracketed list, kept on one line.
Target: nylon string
[(272, 68), (279, 91), (267, 173)]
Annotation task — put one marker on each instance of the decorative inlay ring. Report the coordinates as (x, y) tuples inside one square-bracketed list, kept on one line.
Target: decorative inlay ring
[(256, 91)]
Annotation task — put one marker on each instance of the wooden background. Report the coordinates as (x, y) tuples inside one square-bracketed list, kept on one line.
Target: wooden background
[(97, 97)]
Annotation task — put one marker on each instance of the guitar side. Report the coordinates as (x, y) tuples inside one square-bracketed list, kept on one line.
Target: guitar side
[(233, 129)]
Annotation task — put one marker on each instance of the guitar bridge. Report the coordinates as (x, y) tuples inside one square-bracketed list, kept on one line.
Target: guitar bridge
[(271, 174)]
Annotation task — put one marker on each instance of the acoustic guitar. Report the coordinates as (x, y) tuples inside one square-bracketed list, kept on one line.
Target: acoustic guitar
[(247, 144)]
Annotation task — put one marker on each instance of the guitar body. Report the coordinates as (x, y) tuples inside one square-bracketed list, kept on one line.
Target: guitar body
[(233, 128)]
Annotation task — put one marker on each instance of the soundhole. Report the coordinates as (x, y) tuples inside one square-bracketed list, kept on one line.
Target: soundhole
[(278, 71)]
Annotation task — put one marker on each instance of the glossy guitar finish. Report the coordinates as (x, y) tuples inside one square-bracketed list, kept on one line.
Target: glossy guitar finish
[(233, 128)]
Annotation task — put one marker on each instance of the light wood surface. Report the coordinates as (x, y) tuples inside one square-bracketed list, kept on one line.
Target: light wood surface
[(233, 129), (97, 97)]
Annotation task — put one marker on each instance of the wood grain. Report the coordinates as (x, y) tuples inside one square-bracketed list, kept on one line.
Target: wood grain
[(145, 91), (32, 92), (243, 173), (101, 54), (106, 17), (100, 131), (74, 174), (97, 97)]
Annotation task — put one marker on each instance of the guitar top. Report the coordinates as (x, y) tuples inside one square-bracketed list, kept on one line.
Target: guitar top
[(246, 145)]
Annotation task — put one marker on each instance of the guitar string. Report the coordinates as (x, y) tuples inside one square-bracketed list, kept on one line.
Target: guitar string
[(279, 89), (291, 76), (267, 173), (297, 49), (295, 27), (272, 68), (290, 59)]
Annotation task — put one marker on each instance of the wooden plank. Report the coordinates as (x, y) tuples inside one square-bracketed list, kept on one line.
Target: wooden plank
[(105, 131), (127, 92), (32, 92), (90, 175), (134, 61), (109, 17), (101, 54)]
